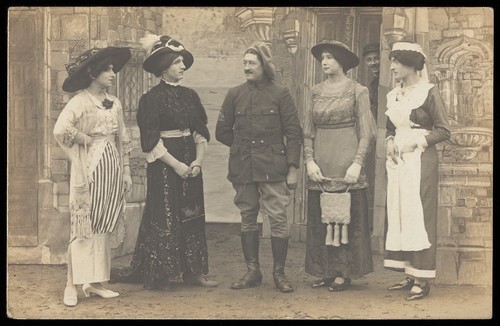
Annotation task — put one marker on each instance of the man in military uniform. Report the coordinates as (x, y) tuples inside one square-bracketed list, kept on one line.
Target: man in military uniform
[(255, 118)]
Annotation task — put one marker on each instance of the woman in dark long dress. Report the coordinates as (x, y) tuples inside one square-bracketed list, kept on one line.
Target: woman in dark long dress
[(338, 130), (172, 121), (416, 122)]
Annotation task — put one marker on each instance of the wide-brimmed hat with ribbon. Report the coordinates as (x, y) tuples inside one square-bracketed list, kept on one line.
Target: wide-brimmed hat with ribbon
[(159, 45), (77, 69), (349, 59)]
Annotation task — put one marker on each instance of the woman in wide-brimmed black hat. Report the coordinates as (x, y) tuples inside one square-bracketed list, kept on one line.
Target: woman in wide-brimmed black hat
[(174, 134), (338, 240), (91, 131)]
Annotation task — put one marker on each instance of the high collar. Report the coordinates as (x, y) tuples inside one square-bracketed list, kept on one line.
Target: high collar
[(259, 84), (170, 83)]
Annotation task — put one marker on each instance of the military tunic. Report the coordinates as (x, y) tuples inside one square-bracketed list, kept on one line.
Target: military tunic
[(254, 120)]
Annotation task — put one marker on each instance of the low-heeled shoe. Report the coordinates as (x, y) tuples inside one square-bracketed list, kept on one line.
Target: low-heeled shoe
[(426, 288), (406, 284)]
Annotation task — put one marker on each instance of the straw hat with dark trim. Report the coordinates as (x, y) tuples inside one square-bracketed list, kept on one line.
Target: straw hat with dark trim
[(349, 59), (77, 80)]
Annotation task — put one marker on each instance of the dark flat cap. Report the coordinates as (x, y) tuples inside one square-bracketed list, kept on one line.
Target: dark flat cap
[(372, 47)]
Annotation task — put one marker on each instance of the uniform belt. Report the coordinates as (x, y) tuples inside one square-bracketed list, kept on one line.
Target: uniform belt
[(337, 126), (257, 141)]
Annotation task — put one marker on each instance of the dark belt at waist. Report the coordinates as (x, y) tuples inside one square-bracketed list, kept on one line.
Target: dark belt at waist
[(257, 141), (337, 125)]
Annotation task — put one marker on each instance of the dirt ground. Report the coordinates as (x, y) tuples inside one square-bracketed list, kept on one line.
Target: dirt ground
[(35, 292)]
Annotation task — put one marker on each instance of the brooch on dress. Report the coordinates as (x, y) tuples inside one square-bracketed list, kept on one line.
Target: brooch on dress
[(107, 104)]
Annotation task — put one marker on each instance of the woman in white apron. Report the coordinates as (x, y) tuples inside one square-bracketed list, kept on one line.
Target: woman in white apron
[(416, 122)]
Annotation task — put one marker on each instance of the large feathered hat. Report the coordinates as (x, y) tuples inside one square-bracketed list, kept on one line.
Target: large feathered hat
[(157, 46), (77, 69)]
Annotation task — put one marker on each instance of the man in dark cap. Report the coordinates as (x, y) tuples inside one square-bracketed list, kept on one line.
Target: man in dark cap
[(371, 53), (255, 118)]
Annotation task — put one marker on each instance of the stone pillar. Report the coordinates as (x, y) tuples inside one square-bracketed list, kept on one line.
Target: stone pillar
[(462, 58)]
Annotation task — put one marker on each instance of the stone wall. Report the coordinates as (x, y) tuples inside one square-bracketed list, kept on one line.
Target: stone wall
[(460, 48)]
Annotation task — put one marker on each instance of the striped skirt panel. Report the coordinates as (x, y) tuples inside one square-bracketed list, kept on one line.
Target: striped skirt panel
[(106, 191)]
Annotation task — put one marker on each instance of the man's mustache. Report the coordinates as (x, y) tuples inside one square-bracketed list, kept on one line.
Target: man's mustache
[(247, 71)]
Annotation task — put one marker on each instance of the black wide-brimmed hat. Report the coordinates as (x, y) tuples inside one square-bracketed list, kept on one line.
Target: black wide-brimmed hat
[(159, 45), (349, 59), (77, 80)]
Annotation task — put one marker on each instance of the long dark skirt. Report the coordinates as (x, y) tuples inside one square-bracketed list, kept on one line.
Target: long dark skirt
[(171, 237), (422, 263), (351, 260)]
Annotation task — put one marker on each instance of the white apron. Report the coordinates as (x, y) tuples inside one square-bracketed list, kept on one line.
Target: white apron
[(406, 228)]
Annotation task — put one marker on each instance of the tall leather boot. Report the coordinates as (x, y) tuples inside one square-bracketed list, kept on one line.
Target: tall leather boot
[(250, 244), (280, 247)]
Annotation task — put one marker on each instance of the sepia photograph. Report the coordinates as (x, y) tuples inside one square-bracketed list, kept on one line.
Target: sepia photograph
[(262, 163)]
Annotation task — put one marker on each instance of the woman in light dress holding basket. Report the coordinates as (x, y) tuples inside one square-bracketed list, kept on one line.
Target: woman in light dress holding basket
[(338, 131)]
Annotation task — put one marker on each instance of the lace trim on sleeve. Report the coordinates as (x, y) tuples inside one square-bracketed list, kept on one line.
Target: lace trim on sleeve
[(199, 138), (308, 153), (69, 135), (158, 151)]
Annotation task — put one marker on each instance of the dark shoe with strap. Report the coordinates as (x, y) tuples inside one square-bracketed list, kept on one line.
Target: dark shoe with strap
[(280, 248), (418, 291), (338, 287), (323, 282), (405, 284), (253, 277)]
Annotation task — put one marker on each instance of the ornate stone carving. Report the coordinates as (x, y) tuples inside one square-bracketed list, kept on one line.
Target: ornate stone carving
[(291, 32), (395, 25), (462, 69), (348, 29), (465, 143), (257, 22), (463, 73)]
